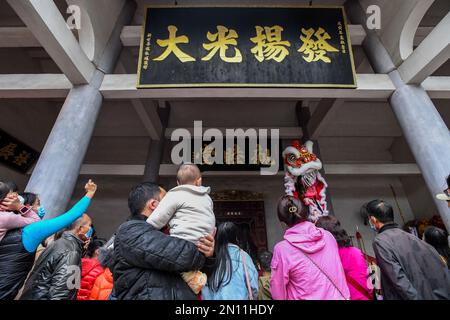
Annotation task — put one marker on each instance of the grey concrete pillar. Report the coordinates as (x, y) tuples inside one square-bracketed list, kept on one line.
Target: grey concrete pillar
[(57, 170), (426, 133), (58, 167)]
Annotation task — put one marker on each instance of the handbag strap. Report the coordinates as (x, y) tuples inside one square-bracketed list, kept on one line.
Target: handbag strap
[(247, 279), (326, 275), (355, 284)]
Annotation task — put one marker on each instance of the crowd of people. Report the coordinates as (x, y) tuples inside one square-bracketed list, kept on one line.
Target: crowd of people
[(171, 248)]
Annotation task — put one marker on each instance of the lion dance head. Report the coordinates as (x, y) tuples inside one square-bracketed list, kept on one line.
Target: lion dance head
[(303, 179)]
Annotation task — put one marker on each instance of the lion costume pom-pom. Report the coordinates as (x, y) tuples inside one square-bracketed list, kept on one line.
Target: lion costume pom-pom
[(303, 180)]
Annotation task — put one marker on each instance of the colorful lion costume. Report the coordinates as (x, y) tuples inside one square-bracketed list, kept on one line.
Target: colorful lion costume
[(303, 180)]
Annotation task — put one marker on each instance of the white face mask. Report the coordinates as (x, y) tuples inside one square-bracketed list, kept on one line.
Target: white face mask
[(372, 226)]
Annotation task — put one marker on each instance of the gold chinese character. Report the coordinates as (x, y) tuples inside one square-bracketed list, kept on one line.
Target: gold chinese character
[(269, 44), (220, 42), (171, 45), (8, 151), (315, 50), (239, 155), (22, 158), (208, 154)]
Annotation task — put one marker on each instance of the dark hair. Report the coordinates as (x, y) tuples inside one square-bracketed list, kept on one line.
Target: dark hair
[(140, 195), (220, 275), (4, 190), (380, 210), (94, 245), (291, 210), (265, 259), (29, 198), (438, 238), (59, 233), (332, 225), (12, 186), (448, 181)]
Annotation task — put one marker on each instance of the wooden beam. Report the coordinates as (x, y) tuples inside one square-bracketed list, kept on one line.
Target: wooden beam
[(169, 170), (131, 36), (437, 87), (17, 37), (324, 113), (45, 21), (432, 53), (46, 86), (284, 132), (370, 86), (146, 111), (23, 86)]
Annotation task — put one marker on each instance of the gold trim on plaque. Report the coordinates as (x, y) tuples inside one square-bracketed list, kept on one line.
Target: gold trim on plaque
[(245, 85)]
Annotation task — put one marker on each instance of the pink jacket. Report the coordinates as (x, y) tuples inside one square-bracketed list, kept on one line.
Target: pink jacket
[(9, 220), (295, 277), (355, 267)]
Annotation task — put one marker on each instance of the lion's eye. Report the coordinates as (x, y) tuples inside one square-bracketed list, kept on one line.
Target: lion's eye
[(291, 158)]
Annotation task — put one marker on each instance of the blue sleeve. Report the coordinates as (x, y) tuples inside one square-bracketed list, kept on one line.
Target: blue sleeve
[(33, 234)]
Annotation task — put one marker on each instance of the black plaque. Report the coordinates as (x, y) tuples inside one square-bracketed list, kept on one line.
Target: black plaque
[(246, 47), (15, 154)]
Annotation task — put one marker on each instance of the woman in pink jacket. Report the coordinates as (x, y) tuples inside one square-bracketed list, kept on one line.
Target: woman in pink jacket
[(306, 264), (353, 261)]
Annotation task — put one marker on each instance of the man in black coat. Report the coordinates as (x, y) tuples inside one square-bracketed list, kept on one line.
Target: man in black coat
[(15, 264), (147, 262), (56, 275), (410, 268)]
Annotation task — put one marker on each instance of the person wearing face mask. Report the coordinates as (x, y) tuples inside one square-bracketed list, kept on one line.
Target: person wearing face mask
[(411, 269), (56, 274), (18, 248), (12, 218)]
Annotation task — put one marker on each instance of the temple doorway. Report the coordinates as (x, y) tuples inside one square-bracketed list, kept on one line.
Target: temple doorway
[(246, 210)]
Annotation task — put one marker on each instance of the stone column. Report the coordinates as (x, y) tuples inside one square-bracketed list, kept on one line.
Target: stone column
[(57, 170), (423, 128)]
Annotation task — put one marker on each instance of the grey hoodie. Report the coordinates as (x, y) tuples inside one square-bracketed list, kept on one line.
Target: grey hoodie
[(189, 212)]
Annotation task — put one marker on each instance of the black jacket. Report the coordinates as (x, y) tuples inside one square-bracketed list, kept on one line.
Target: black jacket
[(57, 271), (15, 264), (410, 268), (148, 263)]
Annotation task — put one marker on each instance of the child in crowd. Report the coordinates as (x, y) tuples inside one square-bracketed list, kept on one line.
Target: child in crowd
[(264, 260), (188, 210), (9, 220)]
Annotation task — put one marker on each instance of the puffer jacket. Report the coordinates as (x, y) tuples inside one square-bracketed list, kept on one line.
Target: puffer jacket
[(58, 266), (102, 287), (148, 263), (90, 271), (15, 264)]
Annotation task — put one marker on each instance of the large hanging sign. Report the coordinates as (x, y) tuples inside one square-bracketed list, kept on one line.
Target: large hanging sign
[(246, 47), (15, 154)]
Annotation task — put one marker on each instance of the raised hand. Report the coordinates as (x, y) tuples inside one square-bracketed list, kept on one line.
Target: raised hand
[(11, 203), (90, 188)]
